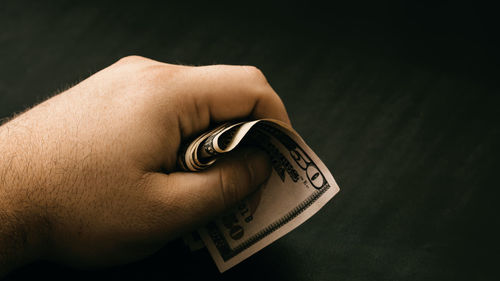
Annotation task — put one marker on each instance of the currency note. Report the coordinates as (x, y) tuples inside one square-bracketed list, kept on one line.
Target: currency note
[(299, 185)]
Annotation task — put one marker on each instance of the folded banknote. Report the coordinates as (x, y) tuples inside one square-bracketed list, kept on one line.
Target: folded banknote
[(299, 185)]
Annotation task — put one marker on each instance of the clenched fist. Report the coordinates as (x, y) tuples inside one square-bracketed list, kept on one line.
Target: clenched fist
[(89, 177)]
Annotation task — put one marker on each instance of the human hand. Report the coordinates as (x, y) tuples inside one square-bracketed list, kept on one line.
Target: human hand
[(88, 177)]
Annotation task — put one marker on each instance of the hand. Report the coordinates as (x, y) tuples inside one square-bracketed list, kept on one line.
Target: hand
[(88, 177)]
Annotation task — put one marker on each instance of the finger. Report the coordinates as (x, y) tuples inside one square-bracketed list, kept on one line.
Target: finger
[(254, 200), (193, 198), (223, 92)]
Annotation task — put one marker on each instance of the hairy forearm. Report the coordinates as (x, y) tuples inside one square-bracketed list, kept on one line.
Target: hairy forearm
[(12, 240), (17, 238), (12, 235)]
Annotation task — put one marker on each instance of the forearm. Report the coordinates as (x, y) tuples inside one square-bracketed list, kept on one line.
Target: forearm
[(17, 238), (12, 234), (12, 240)]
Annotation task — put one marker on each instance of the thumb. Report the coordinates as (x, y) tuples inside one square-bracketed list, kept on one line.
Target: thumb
[(199, 196)]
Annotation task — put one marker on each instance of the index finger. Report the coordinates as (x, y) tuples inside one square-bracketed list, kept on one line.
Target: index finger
[(221, 92)]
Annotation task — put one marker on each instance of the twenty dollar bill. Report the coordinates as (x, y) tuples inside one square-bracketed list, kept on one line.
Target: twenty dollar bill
[(299, 185)]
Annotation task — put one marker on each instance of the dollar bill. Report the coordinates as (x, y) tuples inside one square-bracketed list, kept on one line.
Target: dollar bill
[(299, 185)]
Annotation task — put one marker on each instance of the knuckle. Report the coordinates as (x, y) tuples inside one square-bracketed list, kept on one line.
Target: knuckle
[(159, 73), (255, 73), (220, 69), (131, 59), (156, 70), (145, 70)]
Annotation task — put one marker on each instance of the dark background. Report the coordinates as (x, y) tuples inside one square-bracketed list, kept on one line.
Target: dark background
[(399, 99)]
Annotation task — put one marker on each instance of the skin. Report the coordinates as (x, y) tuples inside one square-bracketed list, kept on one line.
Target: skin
[(88, 178)]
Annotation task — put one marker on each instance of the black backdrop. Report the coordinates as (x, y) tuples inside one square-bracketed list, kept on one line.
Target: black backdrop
[(399, 99)]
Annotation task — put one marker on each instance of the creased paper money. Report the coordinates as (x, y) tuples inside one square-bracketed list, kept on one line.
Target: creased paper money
[(299, 185)]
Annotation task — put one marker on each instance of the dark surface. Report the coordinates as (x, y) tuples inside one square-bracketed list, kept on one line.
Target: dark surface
[(399, 100)]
